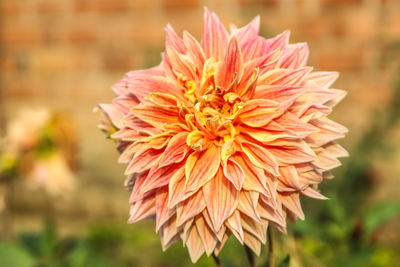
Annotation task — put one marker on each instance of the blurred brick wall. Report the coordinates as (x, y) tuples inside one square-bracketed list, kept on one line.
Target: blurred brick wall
[(66, 54)]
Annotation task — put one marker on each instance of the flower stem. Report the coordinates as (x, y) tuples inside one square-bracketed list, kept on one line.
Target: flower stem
[(250, 257), (271, 258), (217, 261)]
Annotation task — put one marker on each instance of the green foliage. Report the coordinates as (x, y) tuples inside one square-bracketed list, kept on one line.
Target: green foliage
[(377, 215), (12, 255)]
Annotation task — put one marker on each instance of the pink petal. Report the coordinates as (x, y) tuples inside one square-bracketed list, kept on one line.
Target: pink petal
[(231, 63), (215, 36)]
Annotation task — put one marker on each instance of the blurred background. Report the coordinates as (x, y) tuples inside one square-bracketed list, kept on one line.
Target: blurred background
[(59, 58)]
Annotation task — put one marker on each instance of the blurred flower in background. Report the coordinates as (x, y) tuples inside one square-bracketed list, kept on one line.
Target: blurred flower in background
[(40, 148)]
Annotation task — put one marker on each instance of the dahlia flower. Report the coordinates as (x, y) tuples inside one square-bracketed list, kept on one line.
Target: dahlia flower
[(224, 136)]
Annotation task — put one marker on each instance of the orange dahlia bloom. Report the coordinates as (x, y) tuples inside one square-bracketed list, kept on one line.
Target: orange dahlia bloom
[(225, 135)]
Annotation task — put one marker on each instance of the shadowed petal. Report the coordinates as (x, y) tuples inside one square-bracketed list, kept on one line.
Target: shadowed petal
[(292, 202), (194, 245), (207, 236)]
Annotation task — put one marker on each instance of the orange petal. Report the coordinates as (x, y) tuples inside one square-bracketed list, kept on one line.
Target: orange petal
[(260, 157), (326, 161), (197, 140), (156, 115), (255, 179), (194, 245), (252, 242), (206, 235), (335, 150), (233, 223), (280, 41), (176, 188), (248, 204), (113, 114), (258, 229), (143, 208), (163, 100), (296, 56), (215, 36), (234, 172), (292, 202), (195, 52), (250, 31), (142, 85), (221, 198), (258, 112), (310, 192), (230, 64), (162, 212), (176, 150), (169, 232), (181, 64), (286, 77), (159, 177), (292, 155), (173, 40), (323, 78), (221, 244), (270, 214), (289, 178), (143, 161), (278, 93), (190, 207), (292, 123), (264, 135), (201, 167)]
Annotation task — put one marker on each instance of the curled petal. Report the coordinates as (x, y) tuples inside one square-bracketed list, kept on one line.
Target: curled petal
[(234, 173)]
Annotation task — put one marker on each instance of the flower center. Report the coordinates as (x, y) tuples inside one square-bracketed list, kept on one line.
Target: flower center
[(214, 109)]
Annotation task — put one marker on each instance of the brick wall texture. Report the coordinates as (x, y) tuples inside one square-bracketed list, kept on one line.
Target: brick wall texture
[(66, 54)]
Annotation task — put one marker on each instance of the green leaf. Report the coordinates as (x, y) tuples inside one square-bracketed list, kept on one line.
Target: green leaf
[(285, 262), (378, 215), (13, 256)]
